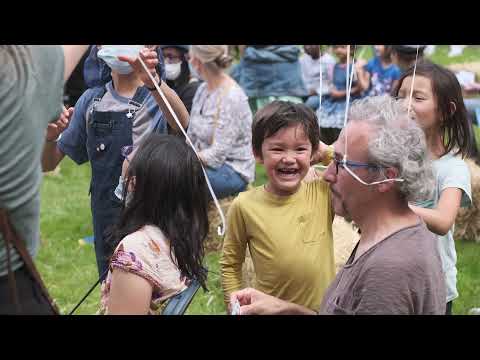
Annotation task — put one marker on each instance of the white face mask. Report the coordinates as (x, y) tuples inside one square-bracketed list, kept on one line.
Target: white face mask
[(110, 53), (172, 71)]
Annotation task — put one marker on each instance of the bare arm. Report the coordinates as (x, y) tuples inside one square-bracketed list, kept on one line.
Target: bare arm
[(72, 54), (233, 252), (51, 154), (441, 219), (150, 58), (176, 104), (130, 294)]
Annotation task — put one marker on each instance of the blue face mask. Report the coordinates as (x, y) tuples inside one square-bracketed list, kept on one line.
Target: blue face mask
[(193, 72), (110, 53)]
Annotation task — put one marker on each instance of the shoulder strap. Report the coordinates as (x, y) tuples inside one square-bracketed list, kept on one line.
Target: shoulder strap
[(12, 238), (178, 304)]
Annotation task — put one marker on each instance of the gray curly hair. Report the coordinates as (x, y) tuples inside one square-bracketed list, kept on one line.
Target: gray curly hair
[(398, 142)]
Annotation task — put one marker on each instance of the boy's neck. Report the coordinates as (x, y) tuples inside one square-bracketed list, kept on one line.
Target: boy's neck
[(126, 85), (268, 188)]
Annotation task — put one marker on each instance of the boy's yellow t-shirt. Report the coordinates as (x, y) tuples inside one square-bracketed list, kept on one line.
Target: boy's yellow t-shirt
[(290, 241)]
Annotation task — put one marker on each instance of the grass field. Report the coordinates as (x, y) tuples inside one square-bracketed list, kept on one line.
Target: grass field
[(69, 267)]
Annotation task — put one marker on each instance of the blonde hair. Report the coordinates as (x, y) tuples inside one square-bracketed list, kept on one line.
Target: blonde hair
[(215, 57)]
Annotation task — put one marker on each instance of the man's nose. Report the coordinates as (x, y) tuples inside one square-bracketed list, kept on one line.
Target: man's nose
[(330, 174)]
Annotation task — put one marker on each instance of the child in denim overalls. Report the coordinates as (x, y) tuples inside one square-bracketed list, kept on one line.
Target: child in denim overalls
[(107, 118), (332, 111)]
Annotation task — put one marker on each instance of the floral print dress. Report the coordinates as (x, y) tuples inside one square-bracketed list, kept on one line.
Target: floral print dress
[(146, 253)]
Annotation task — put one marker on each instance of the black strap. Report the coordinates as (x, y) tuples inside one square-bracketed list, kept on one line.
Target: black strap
[(11, 237), (177, 305), (89, 291)]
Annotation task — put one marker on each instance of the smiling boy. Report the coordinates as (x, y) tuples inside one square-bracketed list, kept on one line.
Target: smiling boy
[(287, 224)]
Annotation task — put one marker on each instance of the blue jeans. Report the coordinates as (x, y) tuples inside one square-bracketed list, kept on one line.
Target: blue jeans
[(225, 181), (313, 102), (473, 109)]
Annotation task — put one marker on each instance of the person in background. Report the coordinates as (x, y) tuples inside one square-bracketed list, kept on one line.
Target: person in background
[(404, 55), (379, 76), (269, 72), (177, 73), (332, 112), (310, 63), (220, 122)]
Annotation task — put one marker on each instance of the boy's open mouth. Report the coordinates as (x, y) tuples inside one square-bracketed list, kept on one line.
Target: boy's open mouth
[(287, 172)]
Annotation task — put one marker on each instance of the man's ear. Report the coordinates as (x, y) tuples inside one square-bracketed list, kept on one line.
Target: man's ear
[(390, 173)]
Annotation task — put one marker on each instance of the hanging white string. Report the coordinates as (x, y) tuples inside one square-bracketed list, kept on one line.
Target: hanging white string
[(321, 82), (220, 229), (348, 91), (413, 80)]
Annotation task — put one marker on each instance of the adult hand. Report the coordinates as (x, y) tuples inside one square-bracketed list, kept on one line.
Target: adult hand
[(150, 58), (56, 128), (254, 302), (322, 155)]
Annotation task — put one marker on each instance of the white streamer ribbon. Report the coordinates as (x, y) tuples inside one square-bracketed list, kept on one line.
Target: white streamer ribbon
[(348, 91), (413, 80), (220, 229)]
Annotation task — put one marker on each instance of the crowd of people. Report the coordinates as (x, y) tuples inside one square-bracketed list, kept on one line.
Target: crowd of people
[(161, 124)]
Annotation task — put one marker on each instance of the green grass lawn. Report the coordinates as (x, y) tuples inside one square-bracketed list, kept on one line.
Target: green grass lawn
[(69, 268)]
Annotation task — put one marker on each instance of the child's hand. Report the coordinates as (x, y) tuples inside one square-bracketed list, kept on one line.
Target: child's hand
[(150, 58), (56, 128)]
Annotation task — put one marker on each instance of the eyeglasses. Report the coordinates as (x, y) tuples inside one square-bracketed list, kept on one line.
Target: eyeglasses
[(349, 165), (353, 165), (171, 59)]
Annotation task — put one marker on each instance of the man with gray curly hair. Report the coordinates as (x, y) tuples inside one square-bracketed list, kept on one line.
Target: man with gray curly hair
[(380, 164)]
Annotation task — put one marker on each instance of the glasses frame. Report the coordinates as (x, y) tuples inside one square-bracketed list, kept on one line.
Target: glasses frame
[(346, 164)]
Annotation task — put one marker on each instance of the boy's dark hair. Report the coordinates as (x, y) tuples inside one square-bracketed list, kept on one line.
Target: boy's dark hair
[(281, 114), (170, 192), (455, 127)]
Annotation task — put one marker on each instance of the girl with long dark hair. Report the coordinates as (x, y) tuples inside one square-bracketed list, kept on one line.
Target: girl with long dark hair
[(159, 238)]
